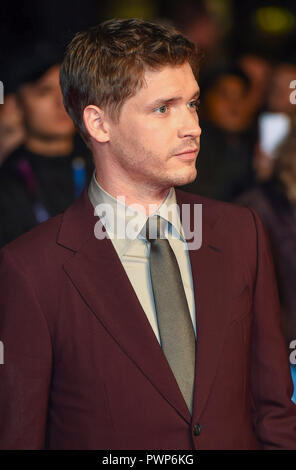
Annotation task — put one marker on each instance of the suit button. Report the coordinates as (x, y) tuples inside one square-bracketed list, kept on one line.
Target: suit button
[(196, 429)]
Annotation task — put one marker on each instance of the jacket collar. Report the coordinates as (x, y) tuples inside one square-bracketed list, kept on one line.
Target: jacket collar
[(82, 216)]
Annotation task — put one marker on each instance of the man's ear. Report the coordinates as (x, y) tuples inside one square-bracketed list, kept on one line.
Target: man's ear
[(96, 123)]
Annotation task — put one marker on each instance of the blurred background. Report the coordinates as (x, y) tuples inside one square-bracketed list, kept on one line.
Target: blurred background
[(247, 113)]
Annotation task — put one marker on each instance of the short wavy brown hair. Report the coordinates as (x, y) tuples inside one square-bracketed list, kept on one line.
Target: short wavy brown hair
[(106, 64)]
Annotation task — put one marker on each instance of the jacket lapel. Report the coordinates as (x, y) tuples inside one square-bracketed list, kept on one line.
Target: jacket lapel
[(112, 299)]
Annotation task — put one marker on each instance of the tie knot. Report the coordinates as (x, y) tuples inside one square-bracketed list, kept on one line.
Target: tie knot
[(153, 228)]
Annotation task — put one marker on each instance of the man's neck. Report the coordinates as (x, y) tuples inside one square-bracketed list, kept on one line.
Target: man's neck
[(149, 198), (49, 148)]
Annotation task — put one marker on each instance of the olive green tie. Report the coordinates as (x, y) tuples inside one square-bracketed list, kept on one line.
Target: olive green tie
[(173, 315)]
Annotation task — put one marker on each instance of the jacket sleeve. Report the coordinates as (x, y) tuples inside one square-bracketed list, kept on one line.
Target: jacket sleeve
[(25, 369), (272, 387)]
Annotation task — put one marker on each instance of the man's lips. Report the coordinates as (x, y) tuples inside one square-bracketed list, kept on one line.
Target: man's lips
[(188, 151), (187, 154)]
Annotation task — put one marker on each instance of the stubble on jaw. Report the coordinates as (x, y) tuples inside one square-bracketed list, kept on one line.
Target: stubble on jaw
[(151, 170)]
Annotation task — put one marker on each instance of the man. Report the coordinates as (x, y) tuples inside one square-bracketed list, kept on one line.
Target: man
[(43, 176), (141, 341)]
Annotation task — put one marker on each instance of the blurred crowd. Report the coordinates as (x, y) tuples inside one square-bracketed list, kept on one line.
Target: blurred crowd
[(248, 143), (45, 165)]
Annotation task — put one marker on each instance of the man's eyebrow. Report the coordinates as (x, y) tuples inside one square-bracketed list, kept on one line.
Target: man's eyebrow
[(165, 100)]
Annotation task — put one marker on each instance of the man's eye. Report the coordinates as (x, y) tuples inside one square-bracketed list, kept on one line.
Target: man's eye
[(161, 109), (194, 104)]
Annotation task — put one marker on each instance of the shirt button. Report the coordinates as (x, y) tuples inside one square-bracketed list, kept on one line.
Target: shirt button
[(196, 429)]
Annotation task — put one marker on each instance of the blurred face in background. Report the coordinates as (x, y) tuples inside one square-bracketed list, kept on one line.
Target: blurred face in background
[(279, 91), (204, 31), (43, 110), (225, 104)]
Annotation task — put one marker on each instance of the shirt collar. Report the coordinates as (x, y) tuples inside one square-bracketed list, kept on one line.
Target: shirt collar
[(119, 218)]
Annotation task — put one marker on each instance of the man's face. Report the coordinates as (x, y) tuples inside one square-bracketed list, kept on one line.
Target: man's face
[(43, 109), (156, 127)]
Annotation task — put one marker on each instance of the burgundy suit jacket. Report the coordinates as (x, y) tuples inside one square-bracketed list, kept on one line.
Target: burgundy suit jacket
[(83, 369)]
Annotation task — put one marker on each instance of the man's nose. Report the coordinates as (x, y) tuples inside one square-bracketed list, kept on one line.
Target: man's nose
[(189, 126)]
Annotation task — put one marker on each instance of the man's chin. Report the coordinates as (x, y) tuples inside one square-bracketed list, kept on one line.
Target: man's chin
[(185, 178)]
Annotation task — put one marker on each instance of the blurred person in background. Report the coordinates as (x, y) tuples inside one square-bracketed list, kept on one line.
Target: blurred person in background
[(258, 69), (202, 27), (224, 165), (44, 175), (275, 202), (278, 103)]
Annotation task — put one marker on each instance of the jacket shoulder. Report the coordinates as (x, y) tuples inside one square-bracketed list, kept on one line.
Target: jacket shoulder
[(37, 245), (216, 209)]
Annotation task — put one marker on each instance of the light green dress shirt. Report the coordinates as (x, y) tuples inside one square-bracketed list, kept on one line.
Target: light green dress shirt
[(133, 250)]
